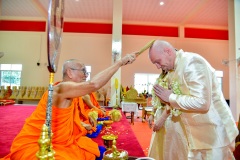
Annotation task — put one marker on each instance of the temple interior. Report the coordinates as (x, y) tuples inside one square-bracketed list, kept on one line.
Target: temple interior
[(99, 33)]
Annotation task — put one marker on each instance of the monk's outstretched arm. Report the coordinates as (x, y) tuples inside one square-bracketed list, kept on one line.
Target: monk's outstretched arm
[(72, 89)]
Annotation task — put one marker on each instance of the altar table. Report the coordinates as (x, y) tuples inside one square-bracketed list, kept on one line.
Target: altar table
[(130, 107)]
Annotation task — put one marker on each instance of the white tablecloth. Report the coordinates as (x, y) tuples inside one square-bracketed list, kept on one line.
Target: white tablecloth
[(130, 107)]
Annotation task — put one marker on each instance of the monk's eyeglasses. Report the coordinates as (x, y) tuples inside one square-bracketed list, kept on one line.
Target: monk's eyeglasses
[(81, 70)]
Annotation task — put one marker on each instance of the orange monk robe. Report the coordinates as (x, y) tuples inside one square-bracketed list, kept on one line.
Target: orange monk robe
[(69, 140), (83, 115), (94, 101)]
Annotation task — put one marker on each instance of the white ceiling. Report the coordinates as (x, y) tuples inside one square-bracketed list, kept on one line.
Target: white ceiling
[(204, 13)]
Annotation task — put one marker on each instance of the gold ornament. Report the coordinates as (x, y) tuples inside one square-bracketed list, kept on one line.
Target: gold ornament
[(45, 152)]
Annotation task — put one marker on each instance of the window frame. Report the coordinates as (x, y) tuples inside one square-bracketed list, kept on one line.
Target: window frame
[(13, 69)]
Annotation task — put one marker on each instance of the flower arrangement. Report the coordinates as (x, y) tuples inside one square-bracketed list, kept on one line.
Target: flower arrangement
[(115, 115), (162, 80)]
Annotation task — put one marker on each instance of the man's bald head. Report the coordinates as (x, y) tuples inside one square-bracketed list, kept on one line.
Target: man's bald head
[(163, 55)]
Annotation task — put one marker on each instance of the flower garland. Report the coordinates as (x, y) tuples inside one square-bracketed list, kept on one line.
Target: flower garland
[(162, 81)]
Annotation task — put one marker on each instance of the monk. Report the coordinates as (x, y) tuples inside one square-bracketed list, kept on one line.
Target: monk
[(91, 104), (69, 136), (89, 100)]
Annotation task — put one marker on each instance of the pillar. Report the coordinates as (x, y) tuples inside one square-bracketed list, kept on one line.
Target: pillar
[(116, 50), (234, 54)]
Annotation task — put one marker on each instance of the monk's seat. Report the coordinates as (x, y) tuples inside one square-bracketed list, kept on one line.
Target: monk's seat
[(6, 102)]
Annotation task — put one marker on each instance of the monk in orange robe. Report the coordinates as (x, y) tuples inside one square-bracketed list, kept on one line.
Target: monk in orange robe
[(68, 143), (91, 104), (86, 119), (69, 140)]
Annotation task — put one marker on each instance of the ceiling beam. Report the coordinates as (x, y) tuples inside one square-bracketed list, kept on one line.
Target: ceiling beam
[(195, 11), (40, 8)]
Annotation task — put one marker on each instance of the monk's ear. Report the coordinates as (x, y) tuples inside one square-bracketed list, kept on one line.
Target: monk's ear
[(69, 73)]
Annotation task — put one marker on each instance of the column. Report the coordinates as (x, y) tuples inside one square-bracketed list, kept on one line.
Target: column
[(234, 54), (181, 32), (116, 51)]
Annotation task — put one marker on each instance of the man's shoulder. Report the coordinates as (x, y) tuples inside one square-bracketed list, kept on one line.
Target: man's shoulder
[(189, 56)]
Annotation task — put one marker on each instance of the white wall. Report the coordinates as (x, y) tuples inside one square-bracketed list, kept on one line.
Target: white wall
[(25, 48), (95, 50)]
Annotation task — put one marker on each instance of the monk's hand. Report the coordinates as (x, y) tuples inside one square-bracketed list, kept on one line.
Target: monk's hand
[(103, 112), (128, 59), (102, 108), (87, 126), (92, 121), (150, 121), (162, 93)]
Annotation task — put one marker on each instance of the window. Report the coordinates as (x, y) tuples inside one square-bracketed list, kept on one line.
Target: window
[(144, 82), (89, 69), (10, 74)]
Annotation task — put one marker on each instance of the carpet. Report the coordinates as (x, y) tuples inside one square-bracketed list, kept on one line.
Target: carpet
[(13, 118), (143, 133)]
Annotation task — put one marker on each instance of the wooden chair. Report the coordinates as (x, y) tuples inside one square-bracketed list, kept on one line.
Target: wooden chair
[(148, 109), (27, 93), (15, 92), (22, 91), (2, 92), (33, 92), (40, 92)]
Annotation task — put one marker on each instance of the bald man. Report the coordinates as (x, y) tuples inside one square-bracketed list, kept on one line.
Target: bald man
[(195, 117)]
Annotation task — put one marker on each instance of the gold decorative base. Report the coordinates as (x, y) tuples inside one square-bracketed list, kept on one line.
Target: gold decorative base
[(114, 153), (107, 123), (45, 152), (108, 140)]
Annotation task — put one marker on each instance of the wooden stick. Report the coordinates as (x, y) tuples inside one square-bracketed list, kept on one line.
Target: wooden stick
[(148, 45)]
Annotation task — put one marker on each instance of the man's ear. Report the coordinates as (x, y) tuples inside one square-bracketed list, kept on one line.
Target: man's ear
[(168, 51)]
